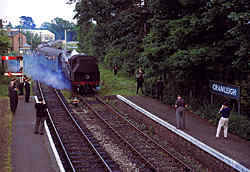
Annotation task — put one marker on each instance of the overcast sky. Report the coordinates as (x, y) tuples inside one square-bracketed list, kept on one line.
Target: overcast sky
[(40, 10)]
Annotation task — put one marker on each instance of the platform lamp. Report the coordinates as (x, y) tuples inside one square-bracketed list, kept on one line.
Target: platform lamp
[(20, 58), (1, 23)]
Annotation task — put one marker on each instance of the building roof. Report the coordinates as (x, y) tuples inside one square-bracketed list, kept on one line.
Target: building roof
[(13, 33), (35, 31)]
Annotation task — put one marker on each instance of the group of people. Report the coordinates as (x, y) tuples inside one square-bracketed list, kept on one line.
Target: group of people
[(15, 89), (180, 104), (224, 113)]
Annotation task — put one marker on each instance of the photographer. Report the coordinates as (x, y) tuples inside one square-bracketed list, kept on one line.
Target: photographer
[(225, 113), (41, 115)]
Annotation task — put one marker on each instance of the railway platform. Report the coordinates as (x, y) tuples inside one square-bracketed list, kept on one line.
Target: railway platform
[(233, 151), (30, 152)]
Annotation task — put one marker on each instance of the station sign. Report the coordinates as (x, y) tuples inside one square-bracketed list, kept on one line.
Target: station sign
[(223, 89)]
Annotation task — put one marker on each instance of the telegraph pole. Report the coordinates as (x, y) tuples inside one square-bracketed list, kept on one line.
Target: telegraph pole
[(65, 37), (20, 63), (19, 39), (40, 37), (1, 23)]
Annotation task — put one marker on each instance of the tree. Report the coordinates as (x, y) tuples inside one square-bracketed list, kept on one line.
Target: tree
[(32, 39), (27, 22), (4, 42), (58, 27), (188, 42)]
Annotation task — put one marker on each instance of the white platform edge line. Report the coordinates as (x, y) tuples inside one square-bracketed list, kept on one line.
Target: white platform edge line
[(53, 147), (52, 144), (191, 139)]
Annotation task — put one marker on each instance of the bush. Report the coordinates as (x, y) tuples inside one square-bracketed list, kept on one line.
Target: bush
[(238, 124), (4, 81)]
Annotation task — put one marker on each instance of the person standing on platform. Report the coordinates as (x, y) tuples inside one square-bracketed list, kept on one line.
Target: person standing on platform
[(180, 112), (115, 69), (41, 115), (139, 80), (160, 87), (27, 89), (13, 96), (225, 113)]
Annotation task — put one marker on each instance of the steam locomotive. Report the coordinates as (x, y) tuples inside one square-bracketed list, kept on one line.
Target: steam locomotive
[(80, 69)]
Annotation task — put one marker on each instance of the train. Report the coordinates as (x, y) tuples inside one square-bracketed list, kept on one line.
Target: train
[(80, 69)]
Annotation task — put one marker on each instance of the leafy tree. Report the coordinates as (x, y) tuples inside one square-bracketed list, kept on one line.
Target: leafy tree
[(4, 42), (32, 39), (188, 42), (27, 22), (58, 27)]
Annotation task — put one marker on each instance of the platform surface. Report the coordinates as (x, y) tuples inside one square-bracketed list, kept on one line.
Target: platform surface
[(234, 147), (29, 151)]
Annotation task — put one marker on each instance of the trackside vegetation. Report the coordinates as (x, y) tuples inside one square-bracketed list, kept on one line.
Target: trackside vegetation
[(5, 124), (185, 42)]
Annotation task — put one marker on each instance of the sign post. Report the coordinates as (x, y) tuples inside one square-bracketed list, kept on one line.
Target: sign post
[(20, 72), (227, 90)]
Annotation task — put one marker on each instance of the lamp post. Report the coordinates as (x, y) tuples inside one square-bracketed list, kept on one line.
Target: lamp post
[(19, 40), (20, 61), (41, 37), (65, 37)]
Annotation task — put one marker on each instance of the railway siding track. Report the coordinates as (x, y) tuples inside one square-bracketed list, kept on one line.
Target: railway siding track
[(153, 154), (81, 149)]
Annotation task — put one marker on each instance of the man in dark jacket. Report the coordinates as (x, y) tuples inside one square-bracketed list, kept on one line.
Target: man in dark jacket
[(41, 115), (160, 87), (180, 112), (115, 69), (13, 95), (140, 80), (27, 89)]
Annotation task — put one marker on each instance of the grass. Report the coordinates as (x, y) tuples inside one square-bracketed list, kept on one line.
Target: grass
[(8, 162), (5, 135), (114, 85), (4, 81)]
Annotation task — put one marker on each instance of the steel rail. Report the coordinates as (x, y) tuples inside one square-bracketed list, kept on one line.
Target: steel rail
[(131, 146), (56, 131), (59, 96), (160, 146), (82, 132)]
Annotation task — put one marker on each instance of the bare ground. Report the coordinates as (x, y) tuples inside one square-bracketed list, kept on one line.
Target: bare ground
[(4, 133)]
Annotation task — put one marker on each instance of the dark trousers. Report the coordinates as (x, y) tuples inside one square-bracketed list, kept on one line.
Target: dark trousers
[(13, 104), (160, 94), (27, 95), (138, 87), (40, 124), (21, 89)]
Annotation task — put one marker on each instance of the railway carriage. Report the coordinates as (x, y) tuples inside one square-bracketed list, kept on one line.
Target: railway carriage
[(80, 69)]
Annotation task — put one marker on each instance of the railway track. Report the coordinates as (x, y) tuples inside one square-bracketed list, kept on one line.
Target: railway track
[(81, 150), (155, 157)]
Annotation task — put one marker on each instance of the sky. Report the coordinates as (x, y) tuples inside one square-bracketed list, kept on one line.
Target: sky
[(40, 10)]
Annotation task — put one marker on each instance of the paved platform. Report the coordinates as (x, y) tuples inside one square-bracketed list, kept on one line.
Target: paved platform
[(29, 151), (234, 151)]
